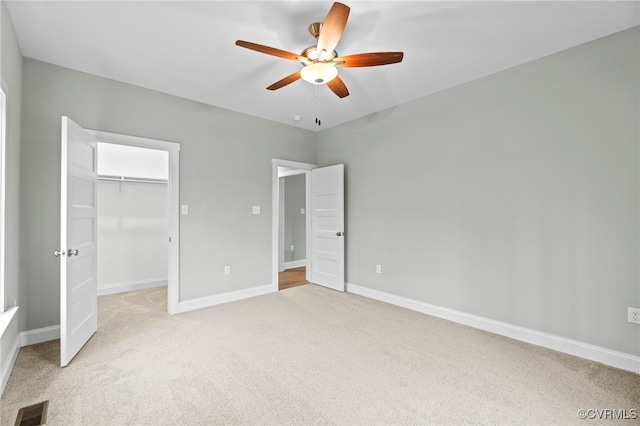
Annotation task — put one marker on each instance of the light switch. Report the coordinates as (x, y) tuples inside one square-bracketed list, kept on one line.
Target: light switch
[(302, 211), (256, 209), (184, 209)]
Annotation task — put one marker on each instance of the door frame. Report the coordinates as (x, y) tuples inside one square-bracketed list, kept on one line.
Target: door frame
[(173, 148), (275, 216)]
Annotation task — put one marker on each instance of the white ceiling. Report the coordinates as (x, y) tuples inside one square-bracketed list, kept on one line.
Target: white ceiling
[(188, 49)]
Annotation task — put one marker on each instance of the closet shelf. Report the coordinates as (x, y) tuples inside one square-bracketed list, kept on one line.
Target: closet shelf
[(132, 179)]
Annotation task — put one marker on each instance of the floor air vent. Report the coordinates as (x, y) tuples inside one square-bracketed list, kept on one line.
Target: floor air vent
[(33, 415)]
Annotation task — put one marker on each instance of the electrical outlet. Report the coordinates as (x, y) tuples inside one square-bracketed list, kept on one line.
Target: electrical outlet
[(227, 270), (292, 248), (378, 269), (634, 315)]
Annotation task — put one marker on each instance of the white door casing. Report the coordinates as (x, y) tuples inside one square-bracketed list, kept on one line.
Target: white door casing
[(281, 222), (78, 231), (327, 228)]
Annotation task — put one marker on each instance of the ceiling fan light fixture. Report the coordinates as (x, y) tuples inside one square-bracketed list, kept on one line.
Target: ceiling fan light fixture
[(319, 72)]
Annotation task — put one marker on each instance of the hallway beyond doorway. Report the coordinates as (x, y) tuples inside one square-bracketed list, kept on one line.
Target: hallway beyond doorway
[(292, 277)]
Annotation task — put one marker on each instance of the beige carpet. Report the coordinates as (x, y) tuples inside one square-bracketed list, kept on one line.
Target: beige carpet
[(305, 355)]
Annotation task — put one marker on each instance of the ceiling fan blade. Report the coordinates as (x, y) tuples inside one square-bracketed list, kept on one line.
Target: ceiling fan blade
[(269, 50), (333, 27), (338, 87), (369, 59), (287, 80)]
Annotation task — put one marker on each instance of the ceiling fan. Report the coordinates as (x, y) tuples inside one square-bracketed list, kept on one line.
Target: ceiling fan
[(320, 62)]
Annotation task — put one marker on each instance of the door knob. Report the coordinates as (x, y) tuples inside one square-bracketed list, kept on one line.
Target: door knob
[(59, 253), (72, 252), (339, 234)]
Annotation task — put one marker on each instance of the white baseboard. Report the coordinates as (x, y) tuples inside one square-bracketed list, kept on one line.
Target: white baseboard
[(33, 337), (104, 290), (572, 347), (206, 302), (295, 264), (7, 364), (9, 347)]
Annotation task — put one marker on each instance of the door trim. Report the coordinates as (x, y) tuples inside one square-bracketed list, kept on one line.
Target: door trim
[(275, 215), (173, 148)]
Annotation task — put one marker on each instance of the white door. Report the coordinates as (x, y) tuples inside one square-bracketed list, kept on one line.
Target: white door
[(78, 286), (327, 243)]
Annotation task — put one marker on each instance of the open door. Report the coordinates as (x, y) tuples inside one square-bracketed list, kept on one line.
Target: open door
[(327, 244), (78, 230)]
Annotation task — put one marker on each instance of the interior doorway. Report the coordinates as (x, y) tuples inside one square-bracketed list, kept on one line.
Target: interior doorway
[(281, 169), (170, 151), (132, 218), (78, 231), (292, 245), (324, 205)]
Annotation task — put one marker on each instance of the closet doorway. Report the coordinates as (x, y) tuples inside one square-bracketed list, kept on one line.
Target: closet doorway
[(144, 244), (132, 218)]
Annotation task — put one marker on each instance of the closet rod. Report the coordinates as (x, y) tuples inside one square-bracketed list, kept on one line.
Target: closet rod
[(131, 179)]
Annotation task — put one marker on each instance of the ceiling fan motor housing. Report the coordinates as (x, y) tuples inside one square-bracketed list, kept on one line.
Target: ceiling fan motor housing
[(315, 28), (312, 54)]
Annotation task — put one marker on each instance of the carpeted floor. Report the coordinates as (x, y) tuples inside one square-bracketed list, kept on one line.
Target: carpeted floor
[(306, 355)]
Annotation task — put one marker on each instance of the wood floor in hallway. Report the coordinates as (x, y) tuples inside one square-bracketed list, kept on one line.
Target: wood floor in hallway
[(292, 278)]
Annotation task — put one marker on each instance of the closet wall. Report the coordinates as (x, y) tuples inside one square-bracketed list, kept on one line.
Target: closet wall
[(132, 218)]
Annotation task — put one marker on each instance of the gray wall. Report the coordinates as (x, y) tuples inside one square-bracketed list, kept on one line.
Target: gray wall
[(514, 197), (294, 222), (225, 169), (11, 68)]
